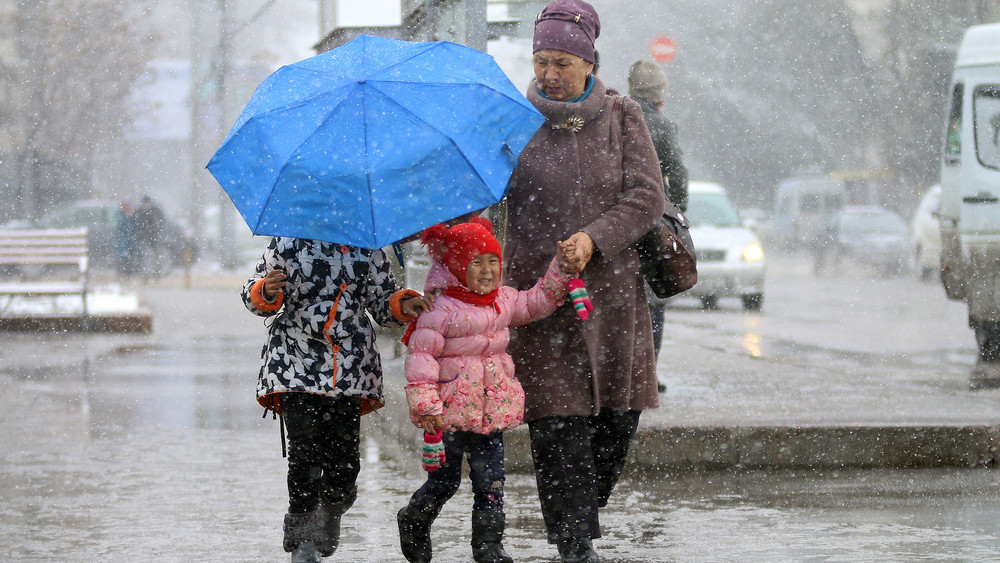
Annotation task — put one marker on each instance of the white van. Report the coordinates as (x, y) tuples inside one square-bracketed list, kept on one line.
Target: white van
[(970, 186), (804, 205)]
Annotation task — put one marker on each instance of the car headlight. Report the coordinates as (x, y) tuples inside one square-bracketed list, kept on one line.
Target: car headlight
[(753, 252)]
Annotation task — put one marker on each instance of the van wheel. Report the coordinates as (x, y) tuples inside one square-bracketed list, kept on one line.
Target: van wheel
[(753, 301), (709, 302), (988, 340)]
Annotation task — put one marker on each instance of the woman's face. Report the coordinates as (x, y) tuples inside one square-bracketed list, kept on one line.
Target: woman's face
[(560, 75)]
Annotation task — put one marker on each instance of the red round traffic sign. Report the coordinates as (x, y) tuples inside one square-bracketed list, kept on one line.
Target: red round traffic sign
[(663, 49)]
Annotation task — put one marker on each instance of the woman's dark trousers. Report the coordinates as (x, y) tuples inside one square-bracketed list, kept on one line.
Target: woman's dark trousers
[(656, 312), (578, 460)]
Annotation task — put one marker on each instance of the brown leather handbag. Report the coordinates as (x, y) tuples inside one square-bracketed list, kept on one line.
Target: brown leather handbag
[(666, 254)]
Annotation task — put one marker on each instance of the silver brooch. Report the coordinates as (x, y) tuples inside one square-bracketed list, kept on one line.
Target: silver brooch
[(574, 123)]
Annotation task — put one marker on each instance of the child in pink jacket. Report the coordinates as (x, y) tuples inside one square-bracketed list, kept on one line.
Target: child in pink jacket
[(460, 379)]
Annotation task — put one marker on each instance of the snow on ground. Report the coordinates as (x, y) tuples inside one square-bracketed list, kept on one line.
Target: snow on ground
[(101, 300)]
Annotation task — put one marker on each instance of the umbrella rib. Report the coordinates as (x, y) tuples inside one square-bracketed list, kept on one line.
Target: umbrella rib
[(305, 100), (395, 63), (432, 127), (520, 100), (368, 172), (297, 147)]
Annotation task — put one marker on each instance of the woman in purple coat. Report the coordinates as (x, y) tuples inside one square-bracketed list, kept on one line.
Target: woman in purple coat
[(589, 177)]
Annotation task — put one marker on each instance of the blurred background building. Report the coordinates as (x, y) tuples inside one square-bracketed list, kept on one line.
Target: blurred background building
[(113, 99)]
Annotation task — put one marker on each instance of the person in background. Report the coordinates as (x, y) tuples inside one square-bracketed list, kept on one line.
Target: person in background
[(647, 84), (126, 253), (149, 226), (321, 371), (589, 178)]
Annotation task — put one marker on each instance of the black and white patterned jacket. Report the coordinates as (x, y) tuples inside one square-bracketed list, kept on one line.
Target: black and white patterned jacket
[(321, 340)]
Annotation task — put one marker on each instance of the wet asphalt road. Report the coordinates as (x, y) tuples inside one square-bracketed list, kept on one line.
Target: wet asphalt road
[(151, 448)]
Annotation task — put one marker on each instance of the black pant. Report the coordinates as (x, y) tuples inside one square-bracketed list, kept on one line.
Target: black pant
[(485, 471), (656, 312), (578, 460), (324, 448)]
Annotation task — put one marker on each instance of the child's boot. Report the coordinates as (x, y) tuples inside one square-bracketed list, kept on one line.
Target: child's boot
[(303, 535), (487, 533), (333, 511), (415, 532)]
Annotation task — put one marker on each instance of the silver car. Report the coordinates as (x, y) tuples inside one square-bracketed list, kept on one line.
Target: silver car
[(730, 257), (872, 237)]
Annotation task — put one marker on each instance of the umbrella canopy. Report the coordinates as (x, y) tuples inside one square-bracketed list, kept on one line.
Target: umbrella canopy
[(374, 141)]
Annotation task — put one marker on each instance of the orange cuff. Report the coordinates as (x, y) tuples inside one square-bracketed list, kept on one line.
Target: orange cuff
[(396, 307), (257, 298)]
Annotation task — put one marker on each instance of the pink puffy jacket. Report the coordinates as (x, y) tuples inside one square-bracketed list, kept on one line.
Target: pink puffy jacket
[(458, 364)]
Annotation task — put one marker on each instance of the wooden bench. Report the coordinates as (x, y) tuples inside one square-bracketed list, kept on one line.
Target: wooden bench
[(39, 252)]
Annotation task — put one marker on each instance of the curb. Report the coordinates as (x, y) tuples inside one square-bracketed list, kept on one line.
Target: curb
[(706, 448), (825, 447)]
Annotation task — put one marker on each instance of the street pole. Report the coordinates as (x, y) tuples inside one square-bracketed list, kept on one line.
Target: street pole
[(197, 145), (227, 35), (227, 254), (475, 24)]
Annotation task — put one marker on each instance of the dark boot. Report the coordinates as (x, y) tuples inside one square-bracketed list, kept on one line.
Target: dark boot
[(415, 533), (306, 553), (577, 550), (333, 511), (487, 532), (303, 534)]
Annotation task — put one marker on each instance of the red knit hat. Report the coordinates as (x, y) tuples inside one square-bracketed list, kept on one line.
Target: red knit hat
[(455, 247)]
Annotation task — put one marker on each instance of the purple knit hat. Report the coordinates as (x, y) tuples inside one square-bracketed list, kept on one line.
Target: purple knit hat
[(571, 26)]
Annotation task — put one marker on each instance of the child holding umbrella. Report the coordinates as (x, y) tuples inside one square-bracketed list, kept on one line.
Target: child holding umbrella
[(460, 379), (321, 371)]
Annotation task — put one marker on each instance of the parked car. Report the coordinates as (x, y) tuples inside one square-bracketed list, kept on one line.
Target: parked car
[(925, 233), (872, 237), (730, 257), (101, 219)]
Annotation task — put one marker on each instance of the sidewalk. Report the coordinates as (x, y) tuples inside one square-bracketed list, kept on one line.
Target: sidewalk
[(767, 415)]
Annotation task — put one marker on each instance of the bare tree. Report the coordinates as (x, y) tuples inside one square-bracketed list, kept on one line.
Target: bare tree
[(75, 64)]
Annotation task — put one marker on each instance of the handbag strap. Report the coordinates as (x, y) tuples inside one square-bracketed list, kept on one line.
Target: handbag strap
[(671, 209), (619, 111)]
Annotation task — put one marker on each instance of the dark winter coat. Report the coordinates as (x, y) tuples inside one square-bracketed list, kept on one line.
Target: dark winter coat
[(668, 149), (321, 340), (608, 184)]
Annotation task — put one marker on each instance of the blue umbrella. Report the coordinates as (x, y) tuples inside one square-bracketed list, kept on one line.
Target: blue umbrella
[(374, 141)]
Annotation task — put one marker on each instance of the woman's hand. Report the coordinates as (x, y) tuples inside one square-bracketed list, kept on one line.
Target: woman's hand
[(575, 252), (413, 306), (274, 283), (432, 423)]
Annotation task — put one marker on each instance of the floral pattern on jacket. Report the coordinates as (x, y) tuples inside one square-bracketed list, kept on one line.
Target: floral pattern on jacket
[(321, 340), (458, 365)]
